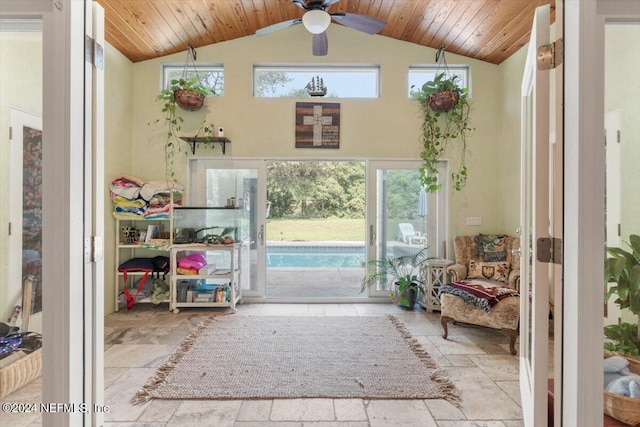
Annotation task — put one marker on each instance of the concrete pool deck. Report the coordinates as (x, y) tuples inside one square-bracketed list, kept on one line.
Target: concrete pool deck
[(322, 282)]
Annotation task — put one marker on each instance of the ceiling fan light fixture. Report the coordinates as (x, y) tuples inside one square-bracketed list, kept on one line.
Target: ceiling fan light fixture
[(316, 21)]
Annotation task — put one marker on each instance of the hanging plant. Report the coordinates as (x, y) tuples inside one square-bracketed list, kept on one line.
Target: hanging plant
[(445, 112), (188, 93)]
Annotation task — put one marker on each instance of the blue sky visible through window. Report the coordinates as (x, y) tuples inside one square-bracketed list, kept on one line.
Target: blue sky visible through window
[(274, 82)]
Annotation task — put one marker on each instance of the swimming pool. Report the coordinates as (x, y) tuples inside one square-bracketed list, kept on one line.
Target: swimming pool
[(315, 256)]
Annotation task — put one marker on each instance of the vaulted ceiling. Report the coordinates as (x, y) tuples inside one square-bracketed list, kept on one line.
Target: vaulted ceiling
[(488, 30)]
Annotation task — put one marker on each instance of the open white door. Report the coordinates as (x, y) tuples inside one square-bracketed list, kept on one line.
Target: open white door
[(534, 208)]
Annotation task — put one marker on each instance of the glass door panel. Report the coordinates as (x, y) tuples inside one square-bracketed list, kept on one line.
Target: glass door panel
[(223, 183), (403, 219), (315, 230)]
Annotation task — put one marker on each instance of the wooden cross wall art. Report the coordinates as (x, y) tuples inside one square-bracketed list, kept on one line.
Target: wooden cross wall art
[(317, 125)]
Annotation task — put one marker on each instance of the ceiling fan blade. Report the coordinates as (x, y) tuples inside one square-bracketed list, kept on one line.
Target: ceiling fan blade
[(279, 26), (314, 4), (364, 23), (320, 44)]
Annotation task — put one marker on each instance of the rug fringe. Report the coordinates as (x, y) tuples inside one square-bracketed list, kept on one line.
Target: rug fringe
[(438, 375), (144, 395)]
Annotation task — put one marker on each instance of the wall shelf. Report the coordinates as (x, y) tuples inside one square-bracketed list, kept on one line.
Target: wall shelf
[(192, 140)]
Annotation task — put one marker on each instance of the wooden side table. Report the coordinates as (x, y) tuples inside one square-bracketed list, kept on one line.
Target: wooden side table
[(436, 275)]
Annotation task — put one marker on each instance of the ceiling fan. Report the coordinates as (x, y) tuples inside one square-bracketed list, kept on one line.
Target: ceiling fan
[(316, 20)]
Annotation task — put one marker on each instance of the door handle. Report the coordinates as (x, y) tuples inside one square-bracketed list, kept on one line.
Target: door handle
[(372, 236), (516, 252), (261, 234)]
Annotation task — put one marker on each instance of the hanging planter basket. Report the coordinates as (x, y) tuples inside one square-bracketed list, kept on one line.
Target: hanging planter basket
[(443, 101), (189, 100)]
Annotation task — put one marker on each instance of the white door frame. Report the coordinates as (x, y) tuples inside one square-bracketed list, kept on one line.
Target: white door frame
[(584, 172), (534, 225), (65, 361)]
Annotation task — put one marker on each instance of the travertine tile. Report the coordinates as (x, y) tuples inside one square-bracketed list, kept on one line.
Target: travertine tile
[(349, 410), (401, 413), (198, 413), (255, 410), (133, 424), (159, 410), (512, 388), (455, 344), (136, 355), (470, 424), (118, 395), (475, 359), (335, 424), (494, 405), (303, 410), (497, 367), (460, 360), (443, 410), (268, 424)]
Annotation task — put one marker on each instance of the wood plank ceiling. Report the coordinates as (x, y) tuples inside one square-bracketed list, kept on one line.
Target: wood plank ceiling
[(488, 30)]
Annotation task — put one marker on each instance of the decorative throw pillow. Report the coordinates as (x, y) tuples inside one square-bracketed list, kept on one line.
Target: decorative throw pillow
[(489, 270), (491, 247)]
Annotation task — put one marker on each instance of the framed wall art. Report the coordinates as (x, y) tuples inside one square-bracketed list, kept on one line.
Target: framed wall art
[(317, 125)]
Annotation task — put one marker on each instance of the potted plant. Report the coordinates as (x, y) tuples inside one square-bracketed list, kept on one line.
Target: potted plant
[(189, 95), (445, 109), (623, 268), (403, 272)]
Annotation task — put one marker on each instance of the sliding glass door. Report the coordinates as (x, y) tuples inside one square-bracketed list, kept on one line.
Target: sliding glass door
[(402, 218), (310, 226)]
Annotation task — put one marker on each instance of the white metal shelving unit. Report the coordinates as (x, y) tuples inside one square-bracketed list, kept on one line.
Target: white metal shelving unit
[(125, 250), (229, 274)]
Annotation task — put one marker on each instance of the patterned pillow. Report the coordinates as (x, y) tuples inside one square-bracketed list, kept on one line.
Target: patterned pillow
[(491, 247), (489, 270)]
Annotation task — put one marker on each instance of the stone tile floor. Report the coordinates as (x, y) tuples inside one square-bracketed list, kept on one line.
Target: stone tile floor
[(136, 342)]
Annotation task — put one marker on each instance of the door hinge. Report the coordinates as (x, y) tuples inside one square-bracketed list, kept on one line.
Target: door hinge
[(550, 55), (619, 230), (9, 229), (93, 249), (618, 135), (93, 52), (10, 133), (549, 249)]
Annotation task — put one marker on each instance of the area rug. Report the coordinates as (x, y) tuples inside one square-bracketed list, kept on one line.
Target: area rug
[(265, 357)]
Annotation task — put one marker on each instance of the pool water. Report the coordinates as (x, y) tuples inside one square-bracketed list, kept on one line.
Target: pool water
[(315, 256)]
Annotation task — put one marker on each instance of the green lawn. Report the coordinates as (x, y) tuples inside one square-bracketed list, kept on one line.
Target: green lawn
[(333, 229), (336, 229)]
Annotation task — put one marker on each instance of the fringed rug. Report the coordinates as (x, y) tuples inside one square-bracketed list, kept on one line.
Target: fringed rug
[(247, 357)]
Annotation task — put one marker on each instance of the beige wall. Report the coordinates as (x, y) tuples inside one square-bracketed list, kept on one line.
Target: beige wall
[(21, 87), (388, 127)]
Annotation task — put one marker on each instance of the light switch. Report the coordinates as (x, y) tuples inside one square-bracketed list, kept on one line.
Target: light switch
[(474, 220)]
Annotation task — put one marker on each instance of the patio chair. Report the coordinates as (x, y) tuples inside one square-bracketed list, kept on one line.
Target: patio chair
[(407, 234)]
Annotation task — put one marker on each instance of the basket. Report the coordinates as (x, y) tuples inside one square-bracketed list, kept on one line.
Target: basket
[(189, 100), (625, 409), (444, 100), (20, 372)]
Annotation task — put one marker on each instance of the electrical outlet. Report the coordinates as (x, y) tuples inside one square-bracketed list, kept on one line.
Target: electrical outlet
[(474, 220)]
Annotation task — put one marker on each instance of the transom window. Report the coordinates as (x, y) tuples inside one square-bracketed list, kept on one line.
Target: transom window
[(419, 75), (362, 81), (211, 75)]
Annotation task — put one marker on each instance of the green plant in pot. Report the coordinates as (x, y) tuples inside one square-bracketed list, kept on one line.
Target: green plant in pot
[(623, 268), (188, 95), (402, 272), (445, 118)]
